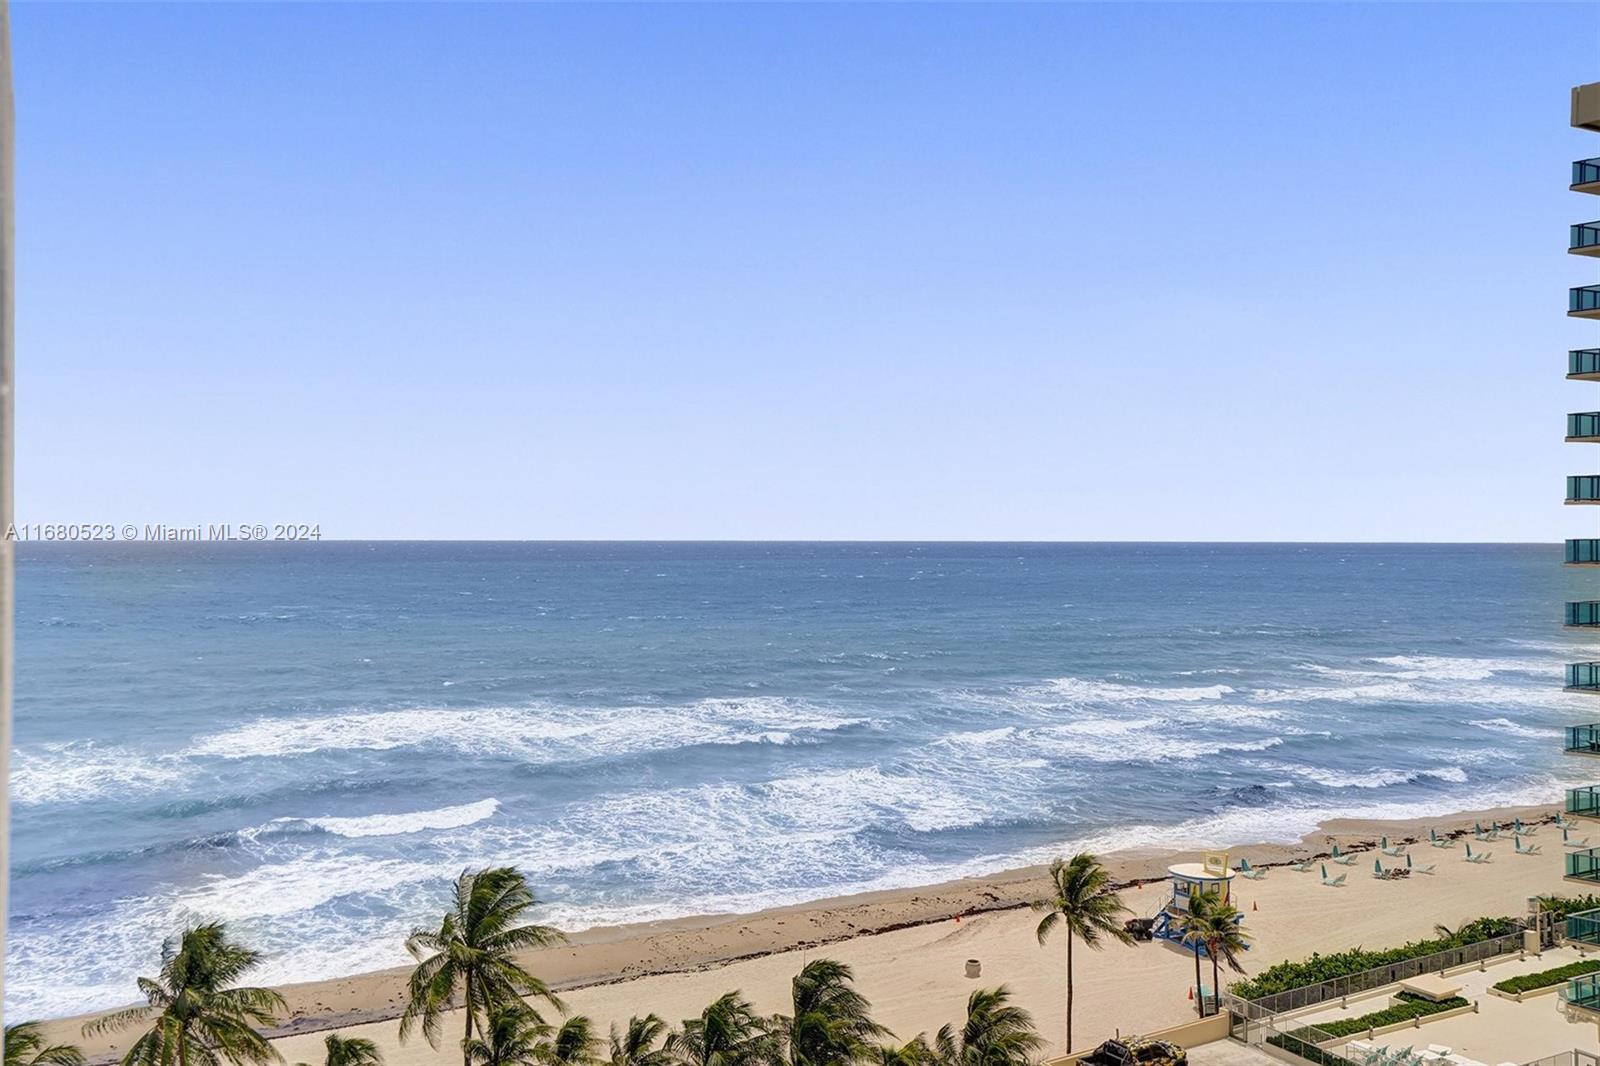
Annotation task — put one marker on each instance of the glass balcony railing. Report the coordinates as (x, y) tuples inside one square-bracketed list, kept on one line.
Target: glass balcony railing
[(1583, 488), (1582, 740), (1584, 235), (1584, 677), (1584, 927), (1584, 865), (1585, 171), (1584, 801), (1583, 361), (1583, 424), (1583, 612), (1583, 992), (1583, 298), (1583, 550)]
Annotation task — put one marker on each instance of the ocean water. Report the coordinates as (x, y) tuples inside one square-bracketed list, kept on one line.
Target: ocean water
[(309, 740)]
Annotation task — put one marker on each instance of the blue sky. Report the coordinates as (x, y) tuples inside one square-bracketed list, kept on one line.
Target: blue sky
[(1040, 272)]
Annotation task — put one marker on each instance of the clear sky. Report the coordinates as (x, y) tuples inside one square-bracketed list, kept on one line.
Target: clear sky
[(1041, 272)]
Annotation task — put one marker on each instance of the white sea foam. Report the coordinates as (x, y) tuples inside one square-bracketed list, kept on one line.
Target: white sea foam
[(538, 733), (1376, 777), (71, 773), (374, 825), (1506, 725), (1079, 690)]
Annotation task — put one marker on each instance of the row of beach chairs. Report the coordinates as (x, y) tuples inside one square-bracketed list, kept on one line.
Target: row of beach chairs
[(1518, 831)]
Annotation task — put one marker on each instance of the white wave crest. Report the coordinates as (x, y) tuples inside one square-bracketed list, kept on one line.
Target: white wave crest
[(538, 733), (1506, 725), (374, 825)]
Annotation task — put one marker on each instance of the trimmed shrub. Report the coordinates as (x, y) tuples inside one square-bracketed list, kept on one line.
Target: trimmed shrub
[(1404, 1009), (1319, 967), (1528, 982)]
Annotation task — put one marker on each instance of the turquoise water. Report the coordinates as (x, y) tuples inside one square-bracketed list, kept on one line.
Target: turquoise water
[(309, 740)]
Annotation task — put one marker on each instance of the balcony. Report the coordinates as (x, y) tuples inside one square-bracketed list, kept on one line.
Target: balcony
[(1586, 175), (1583, 613), (1583, 992), (1584, 865), (1584, 927), (1583, 677), (1583, 488), (1583, 302), (1584, 802), (1583, 551), (1583, 364), (1583, 740), (1584, 427), (1584, 239)]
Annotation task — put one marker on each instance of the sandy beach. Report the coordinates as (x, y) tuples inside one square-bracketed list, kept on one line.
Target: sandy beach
[(909, 947)]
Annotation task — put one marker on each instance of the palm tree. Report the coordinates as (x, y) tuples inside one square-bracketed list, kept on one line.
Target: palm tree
[(473, 950), (636, 1046), (511, 1035), (1192, 926), (572, 1045), (914, 1052), (994, 1034), (727, 1033), (1082, 901), (25, 1046), (349, 1051), (1224, 938), (832, 1023), (200, 1020)]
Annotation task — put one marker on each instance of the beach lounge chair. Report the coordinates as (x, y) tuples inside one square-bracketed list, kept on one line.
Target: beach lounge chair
[(1246, 870), (1492, 834), (1391, 850), (1424, 868), (1563, 822), (1570, 841), (1342, 858), (1482, 856), (1303, 867), (1440, 1049), (1523, 830), (1440, 842), (1525, 849), (1332, 882)]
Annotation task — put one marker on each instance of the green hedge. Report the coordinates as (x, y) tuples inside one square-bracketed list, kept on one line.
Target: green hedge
[(1294, 1044), (1562, 906), (1406, 1007), (1545, 978), (1319, 968)]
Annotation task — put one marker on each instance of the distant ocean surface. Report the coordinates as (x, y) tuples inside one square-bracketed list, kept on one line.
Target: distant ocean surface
[(309, 740)]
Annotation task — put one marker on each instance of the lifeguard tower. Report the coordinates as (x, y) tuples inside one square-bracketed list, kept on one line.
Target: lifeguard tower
[(1210, 877)]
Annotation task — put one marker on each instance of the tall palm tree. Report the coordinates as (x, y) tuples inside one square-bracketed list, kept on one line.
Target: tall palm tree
[(511, 1035), (1224, 938), (832, 1023), (571, 1045), (199, 1018), (349, 1051), (25, 1046), (473, 950), (727, 1033), (1083, 902), (994, 1033), (1192, 925), (636, 1045)]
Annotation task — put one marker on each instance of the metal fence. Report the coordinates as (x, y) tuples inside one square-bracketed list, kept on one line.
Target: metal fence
[(1575, 1057), (1265, 1007)]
